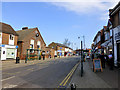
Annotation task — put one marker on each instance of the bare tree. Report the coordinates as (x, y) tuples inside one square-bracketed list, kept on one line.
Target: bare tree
[(66, 42)]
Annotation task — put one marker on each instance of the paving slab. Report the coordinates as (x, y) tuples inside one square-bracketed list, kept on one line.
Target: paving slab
[(92, 79)]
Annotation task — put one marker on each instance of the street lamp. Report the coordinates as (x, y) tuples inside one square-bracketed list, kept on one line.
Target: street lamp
[(81, 59)]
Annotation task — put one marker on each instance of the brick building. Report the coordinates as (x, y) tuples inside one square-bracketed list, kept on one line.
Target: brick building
[(49, 52), (60, 49), (29, 39), (107, 45), (8, 42), (98, 40)]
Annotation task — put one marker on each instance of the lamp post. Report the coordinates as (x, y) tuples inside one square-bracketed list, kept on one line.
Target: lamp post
[(78, 49), (81, 58)]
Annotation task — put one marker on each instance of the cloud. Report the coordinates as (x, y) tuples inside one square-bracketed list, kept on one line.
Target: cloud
[(88, 7), (85, 7)]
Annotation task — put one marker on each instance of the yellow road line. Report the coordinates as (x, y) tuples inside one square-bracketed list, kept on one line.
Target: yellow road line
[(63, 83), (70, 75), (66, 77)]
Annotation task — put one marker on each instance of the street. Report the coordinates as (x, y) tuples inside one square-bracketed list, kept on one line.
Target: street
[(41, 75)]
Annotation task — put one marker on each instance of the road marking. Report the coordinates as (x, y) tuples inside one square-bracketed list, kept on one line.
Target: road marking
[(66, 77), (70, 76), (64, 82), (7, 78), (10, 86), (30, 69)]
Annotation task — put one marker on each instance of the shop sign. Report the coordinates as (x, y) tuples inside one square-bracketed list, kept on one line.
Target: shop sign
[(97, 64), (60, 47), (2, 45), (117, 36), (16, 46)]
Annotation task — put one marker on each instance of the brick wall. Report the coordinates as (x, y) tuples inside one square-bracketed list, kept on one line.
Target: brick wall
[(26, 44), (15, 40), (5, 38)]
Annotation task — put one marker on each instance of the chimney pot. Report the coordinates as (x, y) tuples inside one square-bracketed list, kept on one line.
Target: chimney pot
[(24, 28)]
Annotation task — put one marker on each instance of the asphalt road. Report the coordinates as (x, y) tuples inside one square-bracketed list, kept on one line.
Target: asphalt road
[(41, 75)]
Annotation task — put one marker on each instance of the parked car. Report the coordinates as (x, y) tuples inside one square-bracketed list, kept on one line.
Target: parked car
[(87, 57)]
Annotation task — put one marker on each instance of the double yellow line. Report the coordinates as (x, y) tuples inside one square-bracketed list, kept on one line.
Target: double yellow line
[(64, 82)]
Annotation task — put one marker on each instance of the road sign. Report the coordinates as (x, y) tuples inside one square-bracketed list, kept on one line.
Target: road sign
[(97, 65)]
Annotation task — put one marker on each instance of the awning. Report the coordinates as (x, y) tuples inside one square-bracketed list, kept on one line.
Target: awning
[(107, 43)]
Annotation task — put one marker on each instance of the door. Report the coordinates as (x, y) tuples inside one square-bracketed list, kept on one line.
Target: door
[(10, 53), (118, 54)]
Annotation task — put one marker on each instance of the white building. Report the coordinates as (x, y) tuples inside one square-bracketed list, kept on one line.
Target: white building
[(8, 42)]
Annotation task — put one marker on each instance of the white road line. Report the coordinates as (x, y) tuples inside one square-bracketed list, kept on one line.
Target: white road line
[(10, 86), (7, 78)]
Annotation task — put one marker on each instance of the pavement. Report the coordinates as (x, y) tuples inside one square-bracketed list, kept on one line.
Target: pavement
[(106, 79), (40, 74)]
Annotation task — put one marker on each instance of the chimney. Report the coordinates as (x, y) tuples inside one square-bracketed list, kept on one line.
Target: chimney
[(24, 28), (110, 10)]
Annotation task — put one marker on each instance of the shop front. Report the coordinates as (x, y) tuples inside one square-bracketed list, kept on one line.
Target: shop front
[(107, 46), (116, 32), (8, 52), (118, 53)]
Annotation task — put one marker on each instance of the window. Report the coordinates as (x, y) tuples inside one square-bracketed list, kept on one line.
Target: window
[(110, 33), (11, 37), (38, 46), (119, 17), (31, 46)]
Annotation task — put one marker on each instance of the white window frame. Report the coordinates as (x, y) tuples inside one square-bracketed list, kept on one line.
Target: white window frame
[(32, 43), (11, 41), (39, 44)]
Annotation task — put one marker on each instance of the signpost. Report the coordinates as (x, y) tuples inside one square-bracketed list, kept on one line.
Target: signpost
[(97, 65)]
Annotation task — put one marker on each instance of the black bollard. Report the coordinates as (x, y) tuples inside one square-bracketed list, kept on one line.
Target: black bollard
[(73, 86)]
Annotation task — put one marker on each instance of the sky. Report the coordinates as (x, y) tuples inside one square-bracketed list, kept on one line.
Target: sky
[(58, 20)]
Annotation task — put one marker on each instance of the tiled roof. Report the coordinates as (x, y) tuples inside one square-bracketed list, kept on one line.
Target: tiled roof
[(62, 45), (5, 28), (23, 33)]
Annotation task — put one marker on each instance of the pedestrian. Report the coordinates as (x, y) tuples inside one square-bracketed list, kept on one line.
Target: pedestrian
[(111, 60), (106, 59), (102, 60), (92, 56)]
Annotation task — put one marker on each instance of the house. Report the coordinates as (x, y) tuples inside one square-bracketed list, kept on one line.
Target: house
[(98, 40), (114, 15), (107, 45), (60, 49), (8, 42), (49, 52), (29, 38)]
